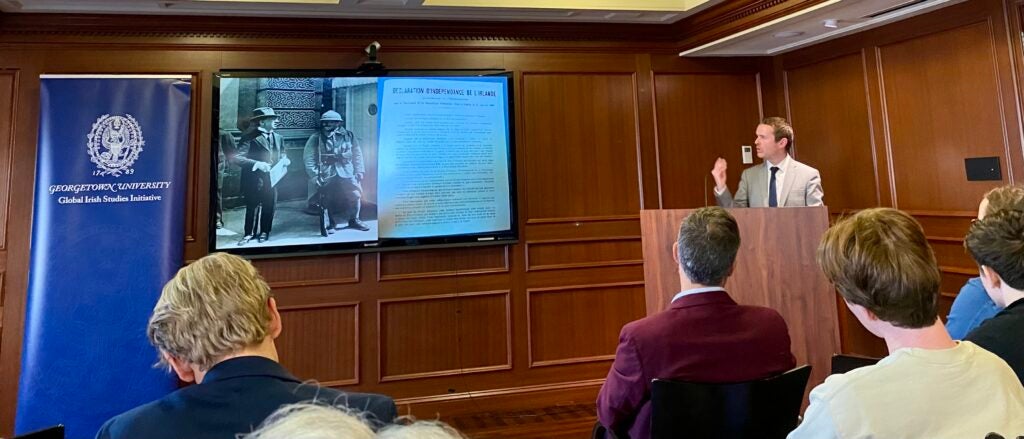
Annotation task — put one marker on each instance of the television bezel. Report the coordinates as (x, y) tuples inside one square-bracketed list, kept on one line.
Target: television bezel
[(509, 237)]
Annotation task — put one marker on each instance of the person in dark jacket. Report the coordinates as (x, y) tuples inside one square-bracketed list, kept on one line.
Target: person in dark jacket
[(215, 325)]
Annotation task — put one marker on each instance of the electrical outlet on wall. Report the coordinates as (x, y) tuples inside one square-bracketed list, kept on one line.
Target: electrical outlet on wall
[(748, 155)]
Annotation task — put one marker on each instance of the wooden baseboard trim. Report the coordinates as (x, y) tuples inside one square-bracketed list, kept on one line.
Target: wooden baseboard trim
[(499, 392)]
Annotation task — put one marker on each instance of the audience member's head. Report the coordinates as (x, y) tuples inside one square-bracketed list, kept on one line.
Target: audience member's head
[(311, 421), (213, 309), (881, 263), (420, 430), (1010, 197), (997, 244), (706, 247)]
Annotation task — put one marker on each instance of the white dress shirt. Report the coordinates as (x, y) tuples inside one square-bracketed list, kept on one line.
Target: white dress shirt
[(692, 291)]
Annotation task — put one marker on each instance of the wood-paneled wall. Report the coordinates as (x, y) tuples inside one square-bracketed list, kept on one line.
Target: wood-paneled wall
[(440, 329), (888, 117), (604, 129)]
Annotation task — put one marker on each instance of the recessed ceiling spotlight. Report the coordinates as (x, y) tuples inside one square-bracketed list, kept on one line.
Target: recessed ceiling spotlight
[(831, 23), (788, 34)]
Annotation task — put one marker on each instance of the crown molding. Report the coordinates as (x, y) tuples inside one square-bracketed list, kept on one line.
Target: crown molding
[(209, 31)]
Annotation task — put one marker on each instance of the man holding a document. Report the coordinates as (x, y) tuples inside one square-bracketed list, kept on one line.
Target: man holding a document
[(263, 162)]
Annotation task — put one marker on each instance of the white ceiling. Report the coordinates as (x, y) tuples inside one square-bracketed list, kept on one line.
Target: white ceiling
[(354, 9), (807, 27)]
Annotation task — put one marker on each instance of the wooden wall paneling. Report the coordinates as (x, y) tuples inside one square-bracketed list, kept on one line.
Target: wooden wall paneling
[(673, 63), (8, 113), (773, 86), (24, 65), (568, 62), (584, 230), (2, 290), (418, 264), (882, 151), (701, 117), (950, 252), (333, 32), (954, 278), (584, 276), (8, 83), (580, 137), (580, 323), (827, 103), (196, 214), (321, 342), (344, 58), (310, 270), (929, 129), (945, 223), (945, 231), (557, 254), (511, 405), (1015, 26), (447, 334), (647, 142), (940, 87)]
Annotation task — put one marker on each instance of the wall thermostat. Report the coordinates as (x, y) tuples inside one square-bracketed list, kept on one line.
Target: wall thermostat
[(748, 155)]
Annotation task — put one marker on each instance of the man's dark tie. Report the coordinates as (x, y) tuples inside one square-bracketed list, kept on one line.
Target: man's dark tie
[(773, 199), (273, 147)]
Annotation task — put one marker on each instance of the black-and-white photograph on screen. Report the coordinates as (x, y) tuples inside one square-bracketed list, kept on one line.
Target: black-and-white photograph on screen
[(335, 161), (297, 162)]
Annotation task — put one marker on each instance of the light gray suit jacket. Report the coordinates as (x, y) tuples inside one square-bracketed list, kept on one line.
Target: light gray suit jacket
[(802, 187)]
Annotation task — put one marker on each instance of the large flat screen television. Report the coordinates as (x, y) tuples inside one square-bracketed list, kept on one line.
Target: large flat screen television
[(340, 161)]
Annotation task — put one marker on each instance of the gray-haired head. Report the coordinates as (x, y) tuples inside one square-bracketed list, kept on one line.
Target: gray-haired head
[(708, 242), (311, 421), (420, 430)]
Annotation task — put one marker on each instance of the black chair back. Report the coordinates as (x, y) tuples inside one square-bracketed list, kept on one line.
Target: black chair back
[(762, 409), (845, 363), (55, 432)]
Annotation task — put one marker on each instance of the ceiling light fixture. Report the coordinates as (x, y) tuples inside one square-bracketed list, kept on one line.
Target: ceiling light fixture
[(598, 5), (760, 26), (310, 2)]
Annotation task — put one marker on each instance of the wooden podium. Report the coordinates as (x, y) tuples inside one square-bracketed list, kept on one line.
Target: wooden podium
[(775, 268)]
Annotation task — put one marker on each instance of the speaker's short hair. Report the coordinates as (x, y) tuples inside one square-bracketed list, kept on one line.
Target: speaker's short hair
[(781, 129)]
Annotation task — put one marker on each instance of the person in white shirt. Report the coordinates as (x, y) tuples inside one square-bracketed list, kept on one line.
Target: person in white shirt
[(780, 182), (929, 386)]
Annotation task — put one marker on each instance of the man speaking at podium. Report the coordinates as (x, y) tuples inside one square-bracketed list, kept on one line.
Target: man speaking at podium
[(780, 182)]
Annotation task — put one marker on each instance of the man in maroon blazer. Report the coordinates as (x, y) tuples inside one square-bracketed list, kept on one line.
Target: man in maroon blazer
[(704, 336)]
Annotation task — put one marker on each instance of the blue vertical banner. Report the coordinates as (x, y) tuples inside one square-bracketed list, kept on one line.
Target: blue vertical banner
[(107, 233)]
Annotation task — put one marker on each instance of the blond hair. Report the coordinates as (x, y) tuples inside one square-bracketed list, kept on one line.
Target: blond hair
[(880, 259), (311, 421), (210, 309)]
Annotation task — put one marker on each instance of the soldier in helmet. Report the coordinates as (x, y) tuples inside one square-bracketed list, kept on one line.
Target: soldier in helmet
[(334, 161)]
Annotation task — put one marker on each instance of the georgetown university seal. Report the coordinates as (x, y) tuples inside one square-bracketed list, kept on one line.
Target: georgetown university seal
[(114, 144)]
